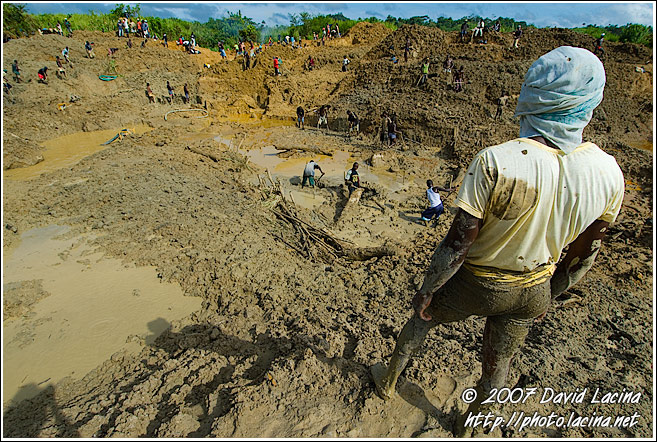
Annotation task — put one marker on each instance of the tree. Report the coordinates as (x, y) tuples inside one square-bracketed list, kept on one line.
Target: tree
[(305, 17), (16, 22), (250, 33), (117, 11), (122, 10), (294, 19), (634, 33)]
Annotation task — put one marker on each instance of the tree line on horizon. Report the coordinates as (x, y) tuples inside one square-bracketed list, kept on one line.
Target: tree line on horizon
[(17, 22)]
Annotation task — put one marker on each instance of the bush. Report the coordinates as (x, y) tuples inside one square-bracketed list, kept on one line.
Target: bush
[(636, 34), (631, 33), (16, 22)]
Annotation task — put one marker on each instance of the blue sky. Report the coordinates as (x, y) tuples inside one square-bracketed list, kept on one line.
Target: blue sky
[(560, 14)]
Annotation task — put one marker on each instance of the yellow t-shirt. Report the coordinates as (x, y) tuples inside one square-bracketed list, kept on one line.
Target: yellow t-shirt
[(535, 200)]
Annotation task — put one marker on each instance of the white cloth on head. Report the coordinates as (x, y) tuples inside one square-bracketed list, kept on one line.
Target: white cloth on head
[(560, 92)]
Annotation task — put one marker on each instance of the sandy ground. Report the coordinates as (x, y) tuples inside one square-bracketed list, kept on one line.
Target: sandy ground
[(241, 335)]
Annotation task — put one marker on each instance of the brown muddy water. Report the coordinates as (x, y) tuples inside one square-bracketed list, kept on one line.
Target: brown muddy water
[(333, 166), (68, 308), (67, 150)]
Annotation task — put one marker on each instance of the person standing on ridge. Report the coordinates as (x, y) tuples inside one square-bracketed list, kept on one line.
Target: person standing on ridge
[(598, 45), (501, 258), (516, 36)]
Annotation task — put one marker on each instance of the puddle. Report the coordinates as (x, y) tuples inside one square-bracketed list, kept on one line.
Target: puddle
[(643, 145), (333, 166), (308, 200), (67, 150), (228, 142), (92, 305)]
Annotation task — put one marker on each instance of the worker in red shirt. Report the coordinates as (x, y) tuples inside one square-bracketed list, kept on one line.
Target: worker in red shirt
[(276, 65)]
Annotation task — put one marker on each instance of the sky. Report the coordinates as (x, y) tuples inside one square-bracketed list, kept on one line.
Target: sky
[(544, 14)]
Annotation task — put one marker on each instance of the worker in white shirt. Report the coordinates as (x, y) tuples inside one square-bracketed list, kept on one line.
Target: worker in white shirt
[(435, 203)]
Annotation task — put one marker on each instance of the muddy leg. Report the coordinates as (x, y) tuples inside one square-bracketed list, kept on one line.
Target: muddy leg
[(410, 340), (502, 339)]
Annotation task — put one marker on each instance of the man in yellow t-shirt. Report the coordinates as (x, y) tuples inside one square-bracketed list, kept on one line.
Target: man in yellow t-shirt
[(521, 203)]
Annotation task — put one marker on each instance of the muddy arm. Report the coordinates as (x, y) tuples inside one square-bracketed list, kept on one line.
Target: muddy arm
[(579, 259), (447, 259)]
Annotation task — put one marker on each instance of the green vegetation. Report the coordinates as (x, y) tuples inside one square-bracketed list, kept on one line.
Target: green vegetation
[(17, 22), (229, 29), (630, 33), (450, 25), (303, 25)]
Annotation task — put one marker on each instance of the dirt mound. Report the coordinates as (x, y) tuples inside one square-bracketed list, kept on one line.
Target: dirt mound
[(367, 33), (536, 42), (422, 39), (429, 115)]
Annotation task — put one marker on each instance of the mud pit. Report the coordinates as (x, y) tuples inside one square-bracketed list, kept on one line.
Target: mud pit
[(281, 345), (93, 307)]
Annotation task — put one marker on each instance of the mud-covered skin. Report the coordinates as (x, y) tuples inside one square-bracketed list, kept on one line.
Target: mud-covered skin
[(510, 312), (579, 259), (447, 259)]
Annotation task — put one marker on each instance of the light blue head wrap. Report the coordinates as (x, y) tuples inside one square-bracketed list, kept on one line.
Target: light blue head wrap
[(560, 92)]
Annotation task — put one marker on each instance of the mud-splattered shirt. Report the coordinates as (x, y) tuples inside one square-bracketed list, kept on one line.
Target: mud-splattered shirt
[(535, 200)]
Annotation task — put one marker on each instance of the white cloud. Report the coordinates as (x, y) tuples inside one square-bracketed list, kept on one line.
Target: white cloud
[(631, 13)]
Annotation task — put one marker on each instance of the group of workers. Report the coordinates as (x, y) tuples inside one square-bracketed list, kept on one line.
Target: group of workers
[(58, 29), (351, 176), (42, 73), (502, 256), (322, 113), (458, 74), (481, 29), (170, 95), (125, 27)]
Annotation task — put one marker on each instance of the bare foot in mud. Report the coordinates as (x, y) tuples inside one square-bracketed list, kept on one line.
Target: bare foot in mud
[(462, 432), (379, 371)]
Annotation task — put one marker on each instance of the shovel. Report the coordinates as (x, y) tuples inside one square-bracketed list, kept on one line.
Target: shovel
[(317, 183)]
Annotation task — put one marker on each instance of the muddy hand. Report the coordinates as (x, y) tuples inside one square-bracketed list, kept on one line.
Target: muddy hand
[(420, 303)]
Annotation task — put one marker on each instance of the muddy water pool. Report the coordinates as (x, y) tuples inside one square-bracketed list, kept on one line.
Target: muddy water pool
[(67, 150), (333, 166), (89, 307)]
